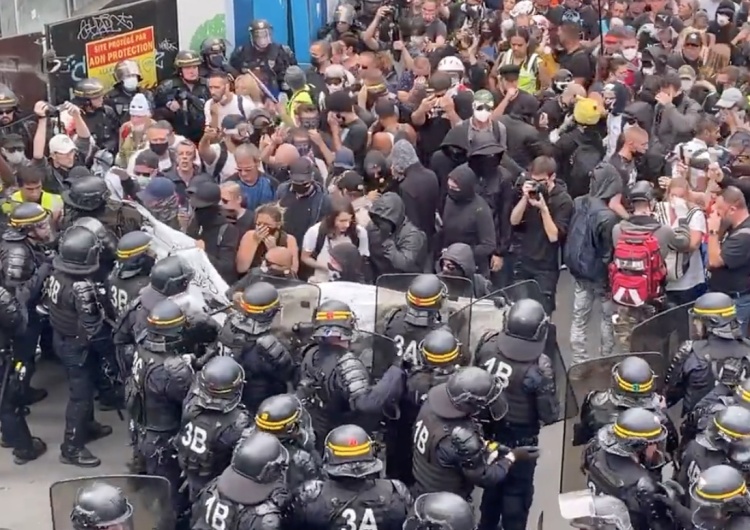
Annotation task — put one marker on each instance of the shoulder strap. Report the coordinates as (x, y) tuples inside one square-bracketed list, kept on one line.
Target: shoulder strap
[(222, 231), (222, 161), (319, 242), (241, 106)]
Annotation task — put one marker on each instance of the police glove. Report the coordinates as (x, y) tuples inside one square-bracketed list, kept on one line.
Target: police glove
[(526, 452)]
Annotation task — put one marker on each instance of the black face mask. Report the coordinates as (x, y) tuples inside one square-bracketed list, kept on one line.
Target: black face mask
[(484, 166), (719, 88), (315, 62), (216, 61), (309, 123), (159, 149), (384, 226), (301, 189)]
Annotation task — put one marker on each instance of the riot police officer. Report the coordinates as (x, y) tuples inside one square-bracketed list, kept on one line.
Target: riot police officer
[(449, 453), (101, 119), (441, 511), (100, 505), (335, 382), (352, 481), (212, 422), (15, 429), (718, 399), (721, 442), (26, 263), (721, 496), (438, 358), (159, 383), (516, 357), (344, 21), (13, 121), (286, 418), (626, 462), (131, 273), (251, 493), (181, 99), (408, 326), (77, 321), (214, 58), (265, 58), (269, 366), (127, 76), (719, 354)]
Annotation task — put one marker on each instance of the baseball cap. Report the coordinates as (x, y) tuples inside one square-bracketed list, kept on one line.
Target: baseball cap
[(232, 121), (147, 158), (344, 158), (62, 144), (204, 194), (301, 170), (484, 97), (686, 72), (351, 181), (12, 140), (662, 20), (731, 97), (586, 111), (158, 189), (693, 38)]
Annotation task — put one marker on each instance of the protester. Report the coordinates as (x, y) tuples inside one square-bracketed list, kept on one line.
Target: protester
[(266, 234)]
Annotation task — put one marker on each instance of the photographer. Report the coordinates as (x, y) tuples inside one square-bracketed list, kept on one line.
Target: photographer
[(540, 221)]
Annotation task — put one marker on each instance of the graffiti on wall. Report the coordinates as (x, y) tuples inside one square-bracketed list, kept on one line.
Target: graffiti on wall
[(99, 26)]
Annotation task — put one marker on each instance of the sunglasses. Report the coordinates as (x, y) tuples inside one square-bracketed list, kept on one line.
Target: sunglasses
[(483, 107), (6, 112), (141, 174), (14, 149), (334, 81)]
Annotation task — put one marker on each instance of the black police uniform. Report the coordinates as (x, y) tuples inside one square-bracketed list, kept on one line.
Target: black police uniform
[(269, 366), (335, 383), (720, 498), (118, 98), (443, 510), (189, 120), (716, 445), (131, 272), (214, 60), (100, 505), (438, 358), (78, 323), (155, 391), (721, 397), (352, 495), (251, 493), (212, 422), (103, 122), (612, 465), (449, 452), (408, 326), (516, 357), (269, 63), (286, 418), (721, 355)]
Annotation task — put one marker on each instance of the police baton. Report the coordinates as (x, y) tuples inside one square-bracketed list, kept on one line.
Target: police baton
[(5, 354), (263, 87)]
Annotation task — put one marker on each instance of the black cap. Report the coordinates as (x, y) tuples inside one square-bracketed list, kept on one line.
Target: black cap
[(12, 140), (339, 102), (509, 70), (694, 38), (205, 194), (351, 181), (301, 170), (231, 121), (147, 158)]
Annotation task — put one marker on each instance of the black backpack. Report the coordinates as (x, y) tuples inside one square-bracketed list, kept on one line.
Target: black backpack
[(582, 162), (580, 253), (321, 239)]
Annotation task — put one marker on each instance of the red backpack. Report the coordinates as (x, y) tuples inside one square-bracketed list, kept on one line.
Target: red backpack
[(637, 273)]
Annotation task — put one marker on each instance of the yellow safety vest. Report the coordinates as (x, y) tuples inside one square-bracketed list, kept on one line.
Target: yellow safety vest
[(50, 202), (527, 78)]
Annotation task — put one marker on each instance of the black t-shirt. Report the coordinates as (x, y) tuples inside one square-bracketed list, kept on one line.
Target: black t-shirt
[(354, 136), (554, 112), (626, 169), (579, 63), (724, 34), (734, 276)]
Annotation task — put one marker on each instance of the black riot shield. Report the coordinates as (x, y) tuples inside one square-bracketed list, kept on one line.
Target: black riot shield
[(299, 302), (377, 352), (148, 495), (663, 332), (584, 378)]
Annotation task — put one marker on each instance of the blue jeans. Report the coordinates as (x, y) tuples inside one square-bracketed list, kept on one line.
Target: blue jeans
[(742, 303)]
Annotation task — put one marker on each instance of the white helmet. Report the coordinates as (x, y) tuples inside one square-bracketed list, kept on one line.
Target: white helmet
[(451, 64)]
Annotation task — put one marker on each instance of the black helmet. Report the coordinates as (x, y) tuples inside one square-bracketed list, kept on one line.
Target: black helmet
[(77, 252), (87, 193), (259, 303), (468, 391), (259, 24), (133, 254), (89, 88), (279, 415), (742, 393), (220, 384), (349, 452), (260, 458), (441, 511), (632, 382), (561, 80), (527, 321), (333, 319), (171, 276), (105, 236), (718, 314), (100, 505), (636, 428), (165, 325), (426, 292), (729, 426), (27, 216), (719, 485), (641, 191), (186, 58), (213, 46), (439, 348), (126, 68), (8, 99)]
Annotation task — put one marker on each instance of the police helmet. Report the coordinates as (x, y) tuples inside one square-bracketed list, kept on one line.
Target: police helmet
[(527, 321), (561, 80), (333, 318), (8, 99), (220, 384), (100, 505), (718, 314), (345, 14), (260, 301), (441, 511), (467, 392), (719, 485), (133, 253), (127, 68), (729, 426), (259, 24), (87, 193), (742, 393), (279, 415), (171, 276), (89, 88), (633, 380), (28, 215), (426, 292), (187, 58), (439, 348), (213, 46), (350, 452), (259, 460), (166, 319), (77, 252), (638, 427), (641, 191)]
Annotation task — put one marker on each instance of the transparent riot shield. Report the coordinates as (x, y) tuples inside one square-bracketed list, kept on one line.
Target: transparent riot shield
[(299, 301), (377, 352), (663, 332), (583, 378), (149, 496), (524, 289), (279, 282)]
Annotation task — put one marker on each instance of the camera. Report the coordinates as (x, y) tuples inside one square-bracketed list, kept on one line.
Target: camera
[(537, 189), (52, 112)]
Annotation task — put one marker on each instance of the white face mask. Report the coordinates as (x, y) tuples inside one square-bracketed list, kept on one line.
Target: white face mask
[(130, 83), (14, 157), (630, 53), (686, 85), (335, 88), (722, 20), (482, 115), (648, 71)]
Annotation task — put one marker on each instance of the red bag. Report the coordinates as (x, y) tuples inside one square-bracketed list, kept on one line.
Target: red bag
[(637, 273)]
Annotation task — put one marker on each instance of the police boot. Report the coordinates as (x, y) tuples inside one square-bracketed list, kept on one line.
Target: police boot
[(96, 431), (76, 454), (22, 456)]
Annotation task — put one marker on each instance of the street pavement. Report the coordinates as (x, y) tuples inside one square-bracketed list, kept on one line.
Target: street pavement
[(24, 490)]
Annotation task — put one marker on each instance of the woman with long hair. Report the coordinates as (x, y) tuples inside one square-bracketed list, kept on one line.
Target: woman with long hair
[(268, 233)]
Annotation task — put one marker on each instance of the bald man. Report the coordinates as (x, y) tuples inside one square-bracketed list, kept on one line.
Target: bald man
[(553, 111), (277, 262), (633, 142)]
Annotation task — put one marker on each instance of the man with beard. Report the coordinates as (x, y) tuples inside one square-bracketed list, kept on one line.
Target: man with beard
[(11, 116)]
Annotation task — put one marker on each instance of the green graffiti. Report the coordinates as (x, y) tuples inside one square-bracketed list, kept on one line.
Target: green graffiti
[(214, 27)]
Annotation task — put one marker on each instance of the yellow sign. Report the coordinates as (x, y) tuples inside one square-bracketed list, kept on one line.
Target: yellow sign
[(102, 55)]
